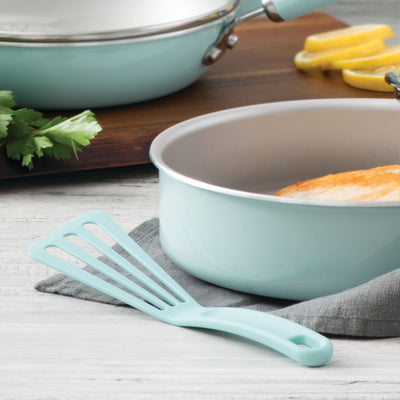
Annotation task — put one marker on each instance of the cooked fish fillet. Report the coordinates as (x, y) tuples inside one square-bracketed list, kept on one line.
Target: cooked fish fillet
[(376, 184)]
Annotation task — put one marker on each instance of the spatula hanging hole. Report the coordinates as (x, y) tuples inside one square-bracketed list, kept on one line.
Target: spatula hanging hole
[(304, 341)]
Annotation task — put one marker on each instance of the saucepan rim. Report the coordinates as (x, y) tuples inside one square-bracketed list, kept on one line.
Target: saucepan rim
[(167, 137)]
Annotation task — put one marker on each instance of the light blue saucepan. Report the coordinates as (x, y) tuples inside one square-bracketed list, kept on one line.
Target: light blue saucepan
[(220, 221), (96, 53)]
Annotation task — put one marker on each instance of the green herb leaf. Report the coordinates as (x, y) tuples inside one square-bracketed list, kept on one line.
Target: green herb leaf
[(73, 132), (26, 134), (5, 120), (80, 128), (58, 151), (33, 118), (6, 104), (7, 99)]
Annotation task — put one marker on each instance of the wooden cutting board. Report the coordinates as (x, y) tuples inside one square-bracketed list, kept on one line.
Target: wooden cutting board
[(259, 70)]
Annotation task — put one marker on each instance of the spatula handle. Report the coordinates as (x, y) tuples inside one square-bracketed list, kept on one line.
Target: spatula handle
[(289, 338)]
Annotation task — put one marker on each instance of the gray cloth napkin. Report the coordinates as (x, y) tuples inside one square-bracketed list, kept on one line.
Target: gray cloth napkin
[(369, 310)]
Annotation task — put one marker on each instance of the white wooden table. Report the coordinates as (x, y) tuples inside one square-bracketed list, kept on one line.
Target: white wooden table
[(55, 347)]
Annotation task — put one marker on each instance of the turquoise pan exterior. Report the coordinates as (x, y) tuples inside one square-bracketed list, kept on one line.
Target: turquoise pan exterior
[(104, 74), (116, 72), (261, 244), (287, 9), (279, 250)]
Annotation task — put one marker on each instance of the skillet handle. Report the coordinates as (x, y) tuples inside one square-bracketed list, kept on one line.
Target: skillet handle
[(297, 342), (284, 10), (275, 10)]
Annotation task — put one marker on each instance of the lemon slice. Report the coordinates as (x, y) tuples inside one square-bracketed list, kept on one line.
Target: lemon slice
[(346, 37), (305, 60), (389, 56), (370, 80)]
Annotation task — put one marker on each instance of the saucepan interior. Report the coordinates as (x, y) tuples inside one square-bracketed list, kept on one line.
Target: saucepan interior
[(255, 151), (220, 221)]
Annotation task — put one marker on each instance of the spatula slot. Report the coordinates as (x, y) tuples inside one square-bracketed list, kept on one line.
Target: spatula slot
[(148, 268), (134, 295), (82, 244), (117, 267), (63, 255), (100, 233), (95, 253), (172, 298)]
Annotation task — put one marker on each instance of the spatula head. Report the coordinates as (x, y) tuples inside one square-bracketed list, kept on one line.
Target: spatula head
[(124, 271)]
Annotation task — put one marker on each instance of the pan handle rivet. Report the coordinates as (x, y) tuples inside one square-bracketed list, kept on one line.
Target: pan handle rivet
[(231, 41), (213, 55)]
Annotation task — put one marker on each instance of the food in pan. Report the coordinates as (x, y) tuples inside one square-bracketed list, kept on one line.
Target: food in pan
[(375, 184)]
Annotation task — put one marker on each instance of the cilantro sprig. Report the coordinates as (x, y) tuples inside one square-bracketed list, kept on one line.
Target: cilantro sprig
[(26, 134)]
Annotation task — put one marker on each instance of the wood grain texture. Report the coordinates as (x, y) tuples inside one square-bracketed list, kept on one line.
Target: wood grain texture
[(260, 69)]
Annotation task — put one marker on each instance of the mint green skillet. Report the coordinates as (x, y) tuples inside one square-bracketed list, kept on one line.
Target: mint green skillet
[(97, 53)]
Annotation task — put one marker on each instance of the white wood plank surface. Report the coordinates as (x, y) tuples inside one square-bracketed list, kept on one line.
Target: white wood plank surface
[(54, 347)]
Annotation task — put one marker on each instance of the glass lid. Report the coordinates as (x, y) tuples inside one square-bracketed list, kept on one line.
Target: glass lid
[(87, 20)]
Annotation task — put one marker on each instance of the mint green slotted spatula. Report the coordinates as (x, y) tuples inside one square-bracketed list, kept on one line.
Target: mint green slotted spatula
[(166, 300)]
